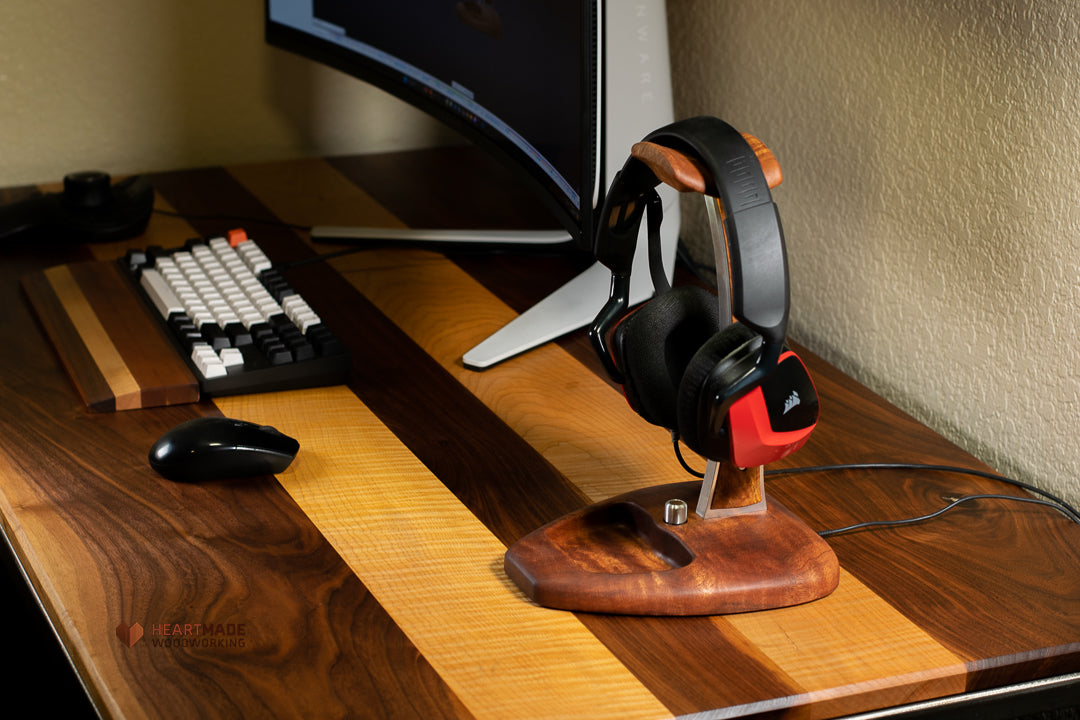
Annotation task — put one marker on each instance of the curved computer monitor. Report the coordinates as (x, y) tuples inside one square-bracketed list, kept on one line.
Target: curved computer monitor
[(557, 91)]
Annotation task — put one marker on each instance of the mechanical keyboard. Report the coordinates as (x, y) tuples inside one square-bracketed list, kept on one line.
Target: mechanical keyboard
[(239, 325)]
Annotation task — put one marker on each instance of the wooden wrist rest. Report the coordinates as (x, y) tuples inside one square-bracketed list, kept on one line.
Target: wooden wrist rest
[(117, 355)]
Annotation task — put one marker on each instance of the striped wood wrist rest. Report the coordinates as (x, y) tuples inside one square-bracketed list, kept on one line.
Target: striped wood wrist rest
[(117, 355)]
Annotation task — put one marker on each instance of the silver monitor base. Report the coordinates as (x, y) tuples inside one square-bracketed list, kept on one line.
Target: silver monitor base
[(572, 306)]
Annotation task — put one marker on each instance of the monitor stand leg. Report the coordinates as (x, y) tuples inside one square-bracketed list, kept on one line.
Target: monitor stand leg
[(572, 306)]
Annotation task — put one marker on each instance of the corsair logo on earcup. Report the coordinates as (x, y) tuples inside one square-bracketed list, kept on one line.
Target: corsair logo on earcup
[(791, 402)]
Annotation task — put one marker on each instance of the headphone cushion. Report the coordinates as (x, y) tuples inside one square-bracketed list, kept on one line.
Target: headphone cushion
[(653, 346), (715, 351)]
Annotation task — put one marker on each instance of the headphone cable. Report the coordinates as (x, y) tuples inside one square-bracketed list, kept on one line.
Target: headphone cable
[(936, 513), (1049, 499)]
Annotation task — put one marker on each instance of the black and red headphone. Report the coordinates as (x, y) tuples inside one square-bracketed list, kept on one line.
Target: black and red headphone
[(728, 386)]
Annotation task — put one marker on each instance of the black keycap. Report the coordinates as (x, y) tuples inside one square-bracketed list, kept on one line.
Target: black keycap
[(278, 354), (215, 336), (238, 335)]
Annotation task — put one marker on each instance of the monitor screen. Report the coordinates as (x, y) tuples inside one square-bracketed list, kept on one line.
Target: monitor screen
[(519, 78), (559, 90)]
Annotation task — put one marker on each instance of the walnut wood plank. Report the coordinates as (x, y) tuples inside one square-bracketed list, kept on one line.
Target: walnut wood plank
[(120, 544), (585, 429), (523, 395), (948, 562), (499, 477), (319, 195), (250, 567), (410, 391), (467, 189), (519, 491)]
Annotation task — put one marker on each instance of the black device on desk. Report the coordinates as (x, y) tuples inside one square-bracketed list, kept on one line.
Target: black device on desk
[(91, 208), (216, 448), (244, 328)]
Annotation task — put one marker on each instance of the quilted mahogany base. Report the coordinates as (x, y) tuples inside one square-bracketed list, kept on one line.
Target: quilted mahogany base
[(619, 556)]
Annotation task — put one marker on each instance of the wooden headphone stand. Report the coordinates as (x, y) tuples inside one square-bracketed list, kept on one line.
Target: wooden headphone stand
[(715, 547), (709, 548)]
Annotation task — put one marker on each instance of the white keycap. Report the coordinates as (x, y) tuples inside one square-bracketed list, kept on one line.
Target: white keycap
[(297, 310), (253, 257), (160, 293), (231, 357), (207, 361)]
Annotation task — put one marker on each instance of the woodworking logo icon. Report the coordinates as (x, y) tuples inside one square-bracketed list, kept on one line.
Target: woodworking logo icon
[(129, 634)]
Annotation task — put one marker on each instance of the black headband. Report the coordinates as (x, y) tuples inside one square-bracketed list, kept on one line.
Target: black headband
[(755, 238)]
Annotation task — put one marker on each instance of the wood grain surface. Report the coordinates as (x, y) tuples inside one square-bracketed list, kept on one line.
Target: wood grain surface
[(367, 579)]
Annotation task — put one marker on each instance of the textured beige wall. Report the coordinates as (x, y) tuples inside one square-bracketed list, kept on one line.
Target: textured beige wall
[(930, 201), (136, 85)]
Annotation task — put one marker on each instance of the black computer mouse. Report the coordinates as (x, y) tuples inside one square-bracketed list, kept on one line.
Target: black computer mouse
[(215, 448)]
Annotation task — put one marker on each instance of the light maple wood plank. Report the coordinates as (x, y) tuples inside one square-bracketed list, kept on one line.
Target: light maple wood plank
[(437, 570), (585, 429), (448, 319), (572, 417), (851, 651)]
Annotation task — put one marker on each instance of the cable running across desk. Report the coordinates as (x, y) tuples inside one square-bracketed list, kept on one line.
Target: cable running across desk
[(1051, 500)]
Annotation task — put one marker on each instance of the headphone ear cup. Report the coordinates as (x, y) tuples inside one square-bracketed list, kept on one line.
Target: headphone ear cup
[(720, 349), (653, 346)]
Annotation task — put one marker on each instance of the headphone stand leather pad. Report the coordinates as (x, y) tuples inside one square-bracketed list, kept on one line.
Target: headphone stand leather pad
[(619, 556)]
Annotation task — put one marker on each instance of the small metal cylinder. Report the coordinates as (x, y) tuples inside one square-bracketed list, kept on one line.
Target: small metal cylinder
[(675, 512)]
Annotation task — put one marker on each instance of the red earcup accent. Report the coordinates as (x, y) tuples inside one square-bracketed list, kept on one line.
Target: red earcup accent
[(753, 441), (758, 437)]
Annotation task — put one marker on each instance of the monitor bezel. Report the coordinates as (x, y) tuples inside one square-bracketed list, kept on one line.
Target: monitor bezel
[(576, 219)]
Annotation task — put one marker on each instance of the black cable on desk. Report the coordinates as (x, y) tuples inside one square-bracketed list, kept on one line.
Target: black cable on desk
[(1050, 500), (936, 513)]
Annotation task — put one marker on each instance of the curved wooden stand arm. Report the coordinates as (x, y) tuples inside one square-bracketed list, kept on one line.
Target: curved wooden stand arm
[(686, 174)]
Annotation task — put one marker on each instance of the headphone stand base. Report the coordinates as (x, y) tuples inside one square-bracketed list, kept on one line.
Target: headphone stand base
[(620, 556)]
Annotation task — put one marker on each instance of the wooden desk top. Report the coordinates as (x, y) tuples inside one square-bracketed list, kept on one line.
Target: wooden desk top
[(367, 579)]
